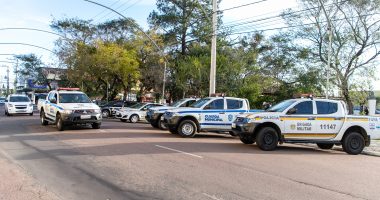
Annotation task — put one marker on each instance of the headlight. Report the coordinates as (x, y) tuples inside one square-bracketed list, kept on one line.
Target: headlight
[(10, 105), (31, 105), (68, 111), (248, 120), (97, 111)]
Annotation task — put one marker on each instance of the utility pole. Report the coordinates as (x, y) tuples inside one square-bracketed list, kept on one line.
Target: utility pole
[(329, 50), (213, 49), (163, 85), (7, 80)]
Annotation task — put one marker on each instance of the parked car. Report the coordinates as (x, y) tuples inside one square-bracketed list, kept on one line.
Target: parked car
[(377, 111), (18, 104), (109, 109), (135, 113), (2, 100)]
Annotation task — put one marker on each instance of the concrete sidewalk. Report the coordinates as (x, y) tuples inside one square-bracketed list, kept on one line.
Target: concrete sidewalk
[(17, 184), (373, 149)]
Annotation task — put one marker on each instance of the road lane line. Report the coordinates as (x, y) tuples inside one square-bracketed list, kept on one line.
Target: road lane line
[(103, 131), (211, 197), (190, 154)]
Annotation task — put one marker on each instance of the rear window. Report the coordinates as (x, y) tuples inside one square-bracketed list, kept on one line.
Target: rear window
[(234, 104), (326, 107), (19, 99)]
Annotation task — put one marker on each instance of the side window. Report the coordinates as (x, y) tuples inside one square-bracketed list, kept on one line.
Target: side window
[(51, 95), (305, 107), (190, 102), (234, 104), (326, 107), (118, 104), (216, 104)]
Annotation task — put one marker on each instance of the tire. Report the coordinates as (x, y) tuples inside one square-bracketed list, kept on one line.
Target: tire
[(43, 119), (173, 131), (267, 139), (59, 123), (134, 118), (96, 125), (325, 146), (246, 139), (187, 128), (161, 125), (123, 120), (31, 114), (353, 143), (105, 113)]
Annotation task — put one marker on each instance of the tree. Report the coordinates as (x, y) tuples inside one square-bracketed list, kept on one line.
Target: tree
[(355, 45), (31, 67)]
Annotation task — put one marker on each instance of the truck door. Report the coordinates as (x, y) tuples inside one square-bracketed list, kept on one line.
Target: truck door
[(234, 108), (329, 118), (299, 121), (47, 105), (213, 115)]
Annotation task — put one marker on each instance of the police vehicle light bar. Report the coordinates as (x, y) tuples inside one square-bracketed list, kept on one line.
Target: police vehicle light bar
[(69, 89)]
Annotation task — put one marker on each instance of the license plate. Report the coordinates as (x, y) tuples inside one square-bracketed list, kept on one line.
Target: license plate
[(85, 116), (162, 118), (233, 125)]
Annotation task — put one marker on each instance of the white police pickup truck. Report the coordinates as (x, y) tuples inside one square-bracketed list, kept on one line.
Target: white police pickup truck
[(321, 121), (155, 114), (68, 106), (214, 114), (134, 113)]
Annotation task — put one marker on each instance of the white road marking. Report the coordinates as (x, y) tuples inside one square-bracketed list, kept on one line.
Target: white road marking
[(103, 131), (211, 197), (190, 154)]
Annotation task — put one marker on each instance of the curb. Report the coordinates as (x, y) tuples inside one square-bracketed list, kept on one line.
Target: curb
[(371, 153)]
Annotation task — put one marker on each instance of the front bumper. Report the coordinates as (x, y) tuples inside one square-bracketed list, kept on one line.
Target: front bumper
[(120, 115), (153, 118), (242, 128), (14, 110), (75, 118), (171, 122)]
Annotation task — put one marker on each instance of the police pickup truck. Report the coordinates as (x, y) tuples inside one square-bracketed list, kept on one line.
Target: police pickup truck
[(214, 114), (68, 106), (155, 114), (321, 121)]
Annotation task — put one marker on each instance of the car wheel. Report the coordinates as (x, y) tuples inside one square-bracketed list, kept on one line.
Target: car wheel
[(134, 119), (233, 134), (353, 143), (59, 123), (246, 139), (96, 125), (43, 119), (31, 114), (187, 128), (105, 113), (154, 125), (123, 120), (162, 125), (267, 139), (325, 146)]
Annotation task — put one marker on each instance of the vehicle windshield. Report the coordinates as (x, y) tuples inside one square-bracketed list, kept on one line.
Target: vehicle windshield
[(179, 102), (138, 105), (2, 98), (19, 99), (281, 106), (74, 98), (200, 103)]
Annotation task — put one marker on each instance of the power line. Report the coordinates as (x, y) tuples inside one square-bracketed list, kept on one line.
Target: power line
[(110, 12), (248, 4), (133, 4), (104, 10)]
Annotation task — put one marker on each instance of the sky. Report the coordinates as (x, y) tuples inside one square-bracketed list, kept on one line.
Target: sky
[(38, 14)]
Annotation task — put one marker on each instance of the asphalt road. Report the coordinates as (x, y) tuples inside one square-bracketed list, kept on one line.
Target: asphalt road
[(135, 161)]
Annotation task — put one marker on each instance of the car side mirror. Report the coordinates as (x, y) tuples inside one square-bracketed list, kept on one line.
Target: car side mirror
[(292, 111), (53, 100)]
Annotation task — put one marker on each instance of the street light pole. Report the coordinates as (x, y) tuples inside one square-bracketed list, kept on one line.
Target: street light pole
[(213, 49), (328, 50), (7, 80)]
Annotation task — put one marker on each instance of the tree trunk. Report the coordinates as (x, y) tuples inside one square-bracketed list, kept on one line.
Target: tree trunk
[(347, 98)]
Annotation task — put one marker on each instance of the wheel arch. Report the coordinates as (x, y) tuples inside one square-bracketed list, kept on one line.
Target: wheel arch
[(267, 124), (192, 118), (358, 129)]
